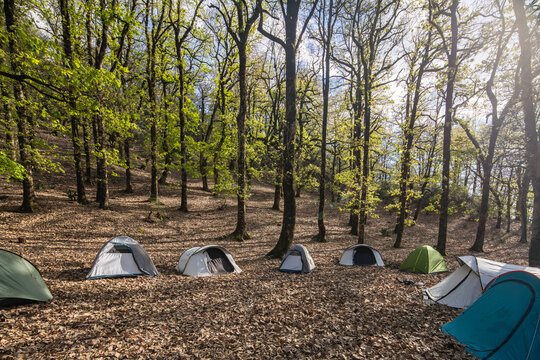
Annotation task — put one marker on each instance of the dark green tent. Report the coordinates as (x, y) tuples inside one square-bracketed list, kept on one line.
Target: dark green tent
[(20, 281), (424, 260)]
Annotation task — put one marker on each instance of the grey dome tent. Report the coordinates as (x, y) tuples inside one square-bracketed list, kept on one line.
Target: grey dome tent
[(297, 260), (122, 257), (361, 254), (206, 261), (20, 281)]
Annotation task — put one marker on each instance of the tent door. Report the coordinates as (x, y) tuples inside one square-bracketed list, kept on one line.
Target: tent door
[(292, 263), (218, 262), (363, 256)]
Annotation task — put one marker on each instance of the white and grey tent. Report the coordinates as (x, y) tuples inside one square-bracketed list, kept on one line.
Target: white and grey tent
[(297, 260), (122, 257), (207, 260), (361, 254), (465, 285)]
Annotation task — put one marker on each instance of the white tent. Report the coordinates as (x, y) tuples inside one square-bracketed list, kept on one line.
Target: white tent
[(207, 260), (121, 257), (465, 285), (361, 254), (297, 260)]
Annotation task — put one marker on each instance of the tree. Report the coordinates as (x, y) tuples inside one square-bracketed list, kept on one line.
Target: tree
[(451, 54), (23, 121), (74, 116), (414, 81), (486, 158), (180, 38), (326, 37), (289, 12), (529, 118), (240, 35)]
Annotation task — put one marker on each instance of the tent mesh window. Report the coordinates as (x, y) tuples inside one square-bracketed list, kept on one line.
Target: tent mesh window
[(363, 256), (117, 248), (218, 264), (295, 253)]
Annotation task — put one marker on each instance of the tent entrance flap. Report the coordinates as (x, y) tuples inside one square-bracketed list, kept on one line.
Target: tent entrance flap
[(218, 262), (364, 256), (293, 263)]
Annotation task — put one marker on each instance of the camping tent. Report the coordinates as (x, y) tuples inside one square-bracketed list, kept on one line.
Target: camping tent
[(502, 323), (425, 260), (361, 254), (122, 257), (20, 281), (207, 260), (465, 285), (297, 260)]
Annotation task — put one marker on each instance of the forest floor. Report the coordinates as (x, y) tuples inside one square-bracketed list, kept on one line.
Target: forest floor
[(335, 312)]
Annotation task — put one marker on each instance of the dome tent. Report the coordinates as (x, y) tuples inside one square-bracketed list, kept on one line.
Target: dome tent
[(424, 260), (122, 257), (20, 281), (503, 323), (206, 261), (464, 286), (297, 260), (361, 254)]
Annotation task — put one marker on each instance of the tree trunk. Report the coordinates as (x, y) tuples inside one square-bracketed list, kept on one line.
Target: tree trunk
[(277, 186), (523, 208), (127, 152), (404, 183), (23, 121), (87, 154), (321, 236), (529, 111), (289, 133), (240, 233), (182, 123), (74, 118), (447, 134)]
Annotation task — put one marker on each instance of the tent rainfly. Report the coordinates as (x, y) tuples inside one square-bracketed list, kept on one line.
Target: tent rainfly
[(297, 260), (424, 260), (361, 254), (20, 281), (464, 286), (122, 257), (503, 322), (207, 260)]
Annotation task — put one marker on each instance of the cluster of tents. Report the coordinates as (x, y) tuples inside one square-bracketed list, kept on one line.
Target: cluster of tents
[(502, 301)]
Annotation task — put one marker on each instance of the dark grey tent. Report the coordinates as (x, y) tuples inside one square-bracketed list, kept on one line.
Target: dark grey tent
[(297, 260), (20, 281), (122, 257)]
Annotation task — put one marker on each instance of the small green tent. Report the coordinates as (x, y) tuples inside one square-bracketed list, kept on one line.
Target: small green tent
[(424, 260), (20, 281)]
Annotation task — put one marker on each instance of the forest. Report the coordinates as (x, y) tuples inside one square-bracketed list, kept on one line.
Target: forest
[(257, 124)]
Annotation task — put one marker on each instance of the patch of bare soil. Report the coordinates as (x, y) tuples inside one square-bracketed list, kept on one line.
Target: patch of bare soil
[(335, 312)]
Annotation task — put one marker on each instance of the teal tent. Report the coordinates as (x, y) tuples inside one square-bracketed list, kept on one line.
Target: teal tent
[(20, 281), (504, 323)]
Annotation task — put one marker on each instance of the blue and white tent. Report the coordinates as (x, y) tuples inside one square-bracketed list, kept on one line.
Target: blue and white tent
[(122, 257), (504, 322)]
